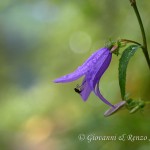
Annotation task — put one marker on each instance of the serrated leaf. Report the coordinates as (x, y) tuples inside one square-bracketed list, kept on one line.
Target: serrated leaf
[(123, 63)]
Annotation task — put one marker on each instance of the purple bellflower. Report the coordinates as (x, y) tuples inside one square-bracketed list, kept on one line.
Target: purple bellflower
[(92, 70)]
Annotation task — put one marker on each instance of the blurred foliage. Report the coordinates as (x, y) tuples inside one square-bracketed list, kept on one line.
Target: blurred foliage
[(42, 40)]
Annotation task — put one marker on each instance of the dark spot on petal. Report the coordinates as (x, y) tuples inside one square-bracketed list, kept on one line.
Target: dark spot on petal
[(77, 90)]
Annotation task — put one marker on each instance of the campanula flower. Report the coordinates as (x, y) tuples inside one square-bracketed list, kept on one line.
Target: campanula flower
[(92, 70)]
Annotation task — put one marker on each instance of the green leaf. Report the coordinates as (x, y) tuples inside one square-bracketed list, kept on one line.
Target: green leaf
[(123, 63)]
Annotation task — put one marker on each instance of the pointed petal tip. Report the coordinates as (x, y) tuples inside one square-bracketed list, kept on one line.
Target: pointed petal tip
[(114, 109), (61, 80), (56, 81), (84, 99)]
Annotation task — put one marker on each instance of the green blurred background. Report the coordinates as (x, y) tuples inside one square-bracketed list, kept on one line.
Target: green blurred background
[(41, 40)]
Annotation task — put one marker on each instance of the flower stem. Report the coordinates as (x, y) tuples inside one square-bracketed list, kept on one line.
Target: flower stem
[(130, 41), (144, 47)]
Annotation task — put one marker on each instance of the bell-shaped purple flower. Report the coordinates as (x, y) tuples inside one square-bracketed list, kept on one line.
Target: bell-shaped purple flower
[(92, 70)]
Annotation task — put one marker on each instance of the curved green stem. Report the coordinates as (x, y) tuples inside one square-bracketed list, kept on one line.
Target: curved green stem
[(130, 41), (144, 47)]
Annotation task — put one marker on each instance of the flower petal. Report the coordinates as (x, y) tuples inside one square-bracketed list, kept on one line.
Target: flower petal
[(81, 70), (93, 58), (95, 73), (102, 69), (70, 77), (114, 109), (97, 93), (86, 90), (97, 79), (99, 68)]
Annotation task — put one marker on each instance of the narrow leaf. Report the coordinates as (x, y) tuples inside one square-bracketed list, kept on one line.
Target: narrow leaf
[(123, 63)]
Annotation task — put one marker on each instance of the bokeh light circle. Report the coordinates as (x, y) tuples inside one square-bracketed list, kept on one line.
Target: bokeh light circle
[(80, 42)]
